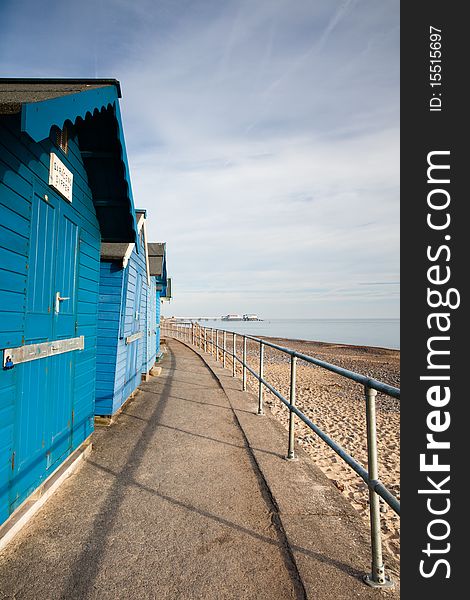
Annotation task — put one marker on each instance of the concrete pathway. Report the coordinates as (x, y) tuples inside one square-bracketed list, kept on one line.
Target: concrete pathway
[(188, 496), (170, 504)]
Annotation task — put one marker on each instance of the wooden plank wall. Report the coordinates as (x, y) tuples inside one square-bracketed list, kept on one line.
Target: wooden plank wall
[(127, 382), (116, 381), (151, 339), (109, 311), (21, 162)]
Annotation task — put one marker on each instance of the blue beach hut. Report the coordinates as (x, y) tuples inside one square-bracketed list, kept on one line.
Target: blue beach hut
[(158, 283), (64, 189), (122, 320)]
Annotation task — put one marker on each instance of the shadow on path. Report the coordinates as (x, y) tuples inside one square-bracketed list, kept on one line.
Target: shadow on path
[(87, 565)]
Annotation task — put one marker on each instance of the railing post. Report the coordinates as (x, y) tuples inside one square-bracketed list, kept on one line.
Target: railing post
[(205, 339), (212, 342), (377, 577), (234, 353), (293, 373), (217, 345), (260, 389), (244, 364), (224, 351)]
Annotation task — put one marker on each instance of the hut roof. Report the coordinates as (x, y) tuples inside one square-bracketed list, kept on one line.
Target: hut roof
[(15, 92), (91, 108), (157, 255), (110, 251)]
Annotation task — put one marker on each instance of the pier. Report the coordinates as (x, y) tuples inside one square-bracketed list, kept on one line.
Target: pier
[(188, 495)]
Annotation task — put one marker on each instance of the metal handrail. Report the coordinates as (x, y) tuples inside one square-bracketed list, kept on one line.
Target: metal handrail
[(196, 335)]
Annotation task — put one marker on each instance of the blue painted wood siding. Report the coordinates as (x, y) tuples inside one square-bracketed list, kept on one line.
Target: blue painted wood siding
[(157, 318), (30, 434), (151, 327), (109, 323), (120, 364)]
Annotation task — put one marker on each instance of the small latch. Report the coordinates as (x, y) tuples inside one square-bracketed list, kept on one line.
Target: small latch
[(8, 363)]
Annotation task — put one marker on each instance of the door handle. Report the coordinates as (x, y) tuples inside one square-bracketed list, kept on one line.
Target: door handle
[(58, 300)]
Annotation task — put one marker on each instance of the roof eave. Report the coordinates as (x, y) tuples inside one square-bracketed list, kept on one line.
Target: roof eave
[(37, 118)]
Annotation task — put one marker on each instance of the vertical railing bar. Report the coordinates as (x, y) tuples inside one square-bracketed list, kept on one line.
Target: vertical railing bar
[(224, 352), (217, 345), (234, 354), (293, 375), (261, 376), (244, 364), (377, 576)]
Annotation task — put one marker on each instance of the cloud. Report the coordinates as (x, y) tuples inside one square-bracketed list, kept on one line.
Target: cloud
[(262, 138)]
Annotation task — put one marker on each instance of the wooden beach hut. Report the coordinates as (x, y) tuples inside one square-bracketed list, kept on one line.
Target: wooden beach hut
[(64, 189), (158, 290), (122, 320)]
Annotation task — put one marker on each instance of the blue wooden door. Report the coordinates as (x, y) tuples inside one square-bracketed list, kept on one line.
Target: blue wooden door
[(157, 318), (64, 326), (133, 350), (45, 386)]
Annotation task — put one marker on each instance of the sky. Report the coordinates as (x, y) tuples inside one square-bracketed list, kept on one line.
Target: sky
[(262, 138)]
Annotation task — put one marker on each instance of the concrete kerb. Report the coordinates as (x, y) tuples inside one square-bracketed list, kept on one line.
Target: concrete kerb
[(329, 542)]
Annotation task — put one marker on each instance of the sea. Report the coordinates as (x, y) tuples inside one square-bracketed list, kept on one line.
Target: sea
[(383, 333)]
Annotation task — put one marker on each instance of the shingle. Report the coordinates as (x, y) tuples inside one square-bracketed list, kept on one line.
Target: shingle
[(156, 248), (15, 92), (156, 252), (156, 265), (112, 251)]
